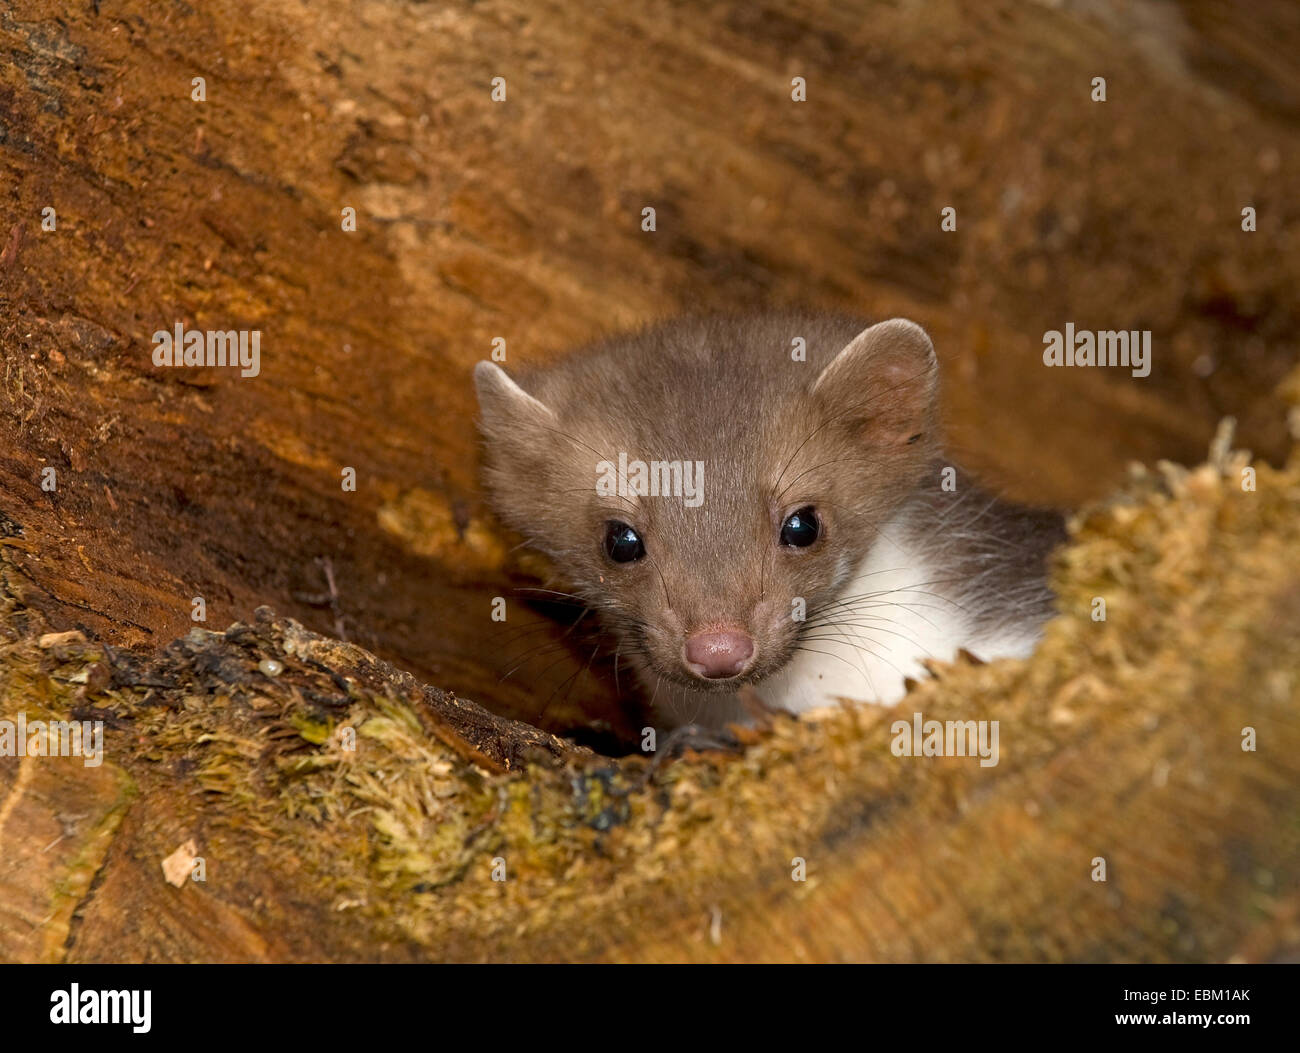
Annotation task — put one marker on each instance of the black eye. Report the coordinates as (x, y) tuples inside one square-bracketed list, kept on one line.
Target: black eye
[(800, 528), (622, 543)]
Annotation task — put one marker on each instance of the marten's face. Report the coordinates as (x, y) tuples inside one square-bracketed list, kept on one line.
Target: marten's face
[(706, 492)]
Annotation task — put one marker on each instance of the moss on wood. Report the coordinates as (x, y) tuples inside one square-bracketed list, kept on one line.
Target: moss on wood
[(1120, 739)]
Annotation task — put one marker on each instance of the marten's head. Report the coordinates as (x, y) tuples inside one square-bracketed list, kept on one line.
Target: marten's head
[(707, 484)]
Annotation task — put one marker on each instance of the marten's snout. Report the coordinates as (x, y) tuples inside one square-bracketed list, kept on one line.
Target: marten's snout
[(718, 655)]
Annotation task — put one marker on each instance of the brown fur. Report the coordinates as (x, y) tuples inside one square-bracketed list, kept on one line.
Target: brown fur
[(725, 391)]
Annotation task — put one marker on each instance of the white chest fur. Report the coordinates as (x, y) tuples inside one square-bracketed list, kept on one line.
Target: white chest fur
[(893, 613)]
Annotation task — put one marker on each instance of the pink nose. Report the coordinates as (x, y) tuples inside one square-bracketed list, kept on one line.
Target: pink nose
[(719, 655)]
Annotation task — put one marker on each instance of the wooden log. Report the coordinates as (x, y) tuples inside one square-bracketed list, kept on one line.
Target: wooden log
[(521, 220), (1140, 804)]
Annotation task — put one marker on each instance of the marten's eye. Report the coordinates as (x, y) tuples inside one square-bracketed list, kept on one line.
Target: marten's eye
[(800, 528), (622, 543)]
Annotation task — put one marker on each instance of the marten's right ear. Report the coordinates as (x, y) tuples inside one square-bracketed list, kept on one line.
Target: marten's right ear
[(506, 407)]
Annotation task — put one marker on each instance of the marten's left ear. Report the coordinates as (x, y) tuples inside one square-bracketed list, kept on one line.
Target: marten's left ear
[(884, 383)]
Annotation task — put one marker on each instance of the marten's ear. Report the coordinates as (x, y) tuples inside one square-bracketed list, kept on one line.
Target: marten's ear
[(505, 406), (884, 383)]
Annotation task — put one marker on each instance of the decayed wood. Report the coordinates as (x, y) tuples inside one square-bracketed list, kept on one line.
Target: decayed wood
[(522, 220), (340, 811)]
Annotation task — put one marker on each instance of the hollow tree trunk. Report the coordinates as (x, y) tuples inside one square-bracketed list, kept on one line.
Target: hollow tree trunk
[(521, 220)]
